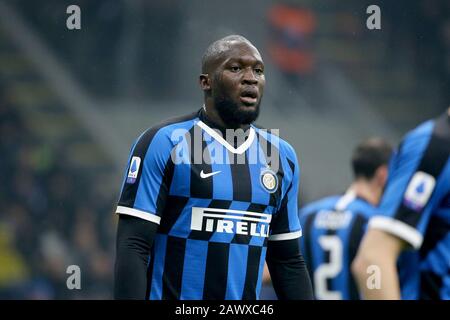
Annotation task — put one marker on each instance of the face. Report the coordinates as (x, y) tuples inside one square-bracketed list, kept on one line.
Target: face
[(237, 84)]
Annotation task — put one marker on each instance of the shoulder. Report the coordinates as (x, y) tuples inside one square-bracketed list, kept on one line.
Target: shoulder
[(363, 208), (322, 204), (272, 136), (412, 147), (421, 133), (167, 131)]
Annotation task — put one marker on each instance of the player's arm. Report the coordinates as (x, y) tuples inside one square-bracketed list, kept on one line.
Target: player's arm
[(404, 214), (134, 240), (381, 249), (288, 270), (290, 277), (142, 200)]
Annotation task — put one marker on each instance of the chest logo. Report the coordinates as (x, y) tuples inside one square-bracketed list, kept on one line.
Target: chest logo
[(207, 175), (269, 180)]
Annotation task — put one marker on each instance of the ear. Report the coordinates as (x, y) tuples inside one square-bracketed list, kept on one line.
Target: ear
[(381, 175), (205, 82)]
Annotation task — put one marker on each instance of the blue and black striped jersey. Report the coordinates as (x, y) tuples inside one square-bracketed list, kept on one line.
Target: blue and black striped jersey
[(416, 208), (217, 204), (332, 231)]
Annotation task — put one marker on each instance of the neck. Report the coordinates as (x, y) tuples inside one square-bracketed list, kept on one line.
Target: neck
[(213, 115), (368, 190)]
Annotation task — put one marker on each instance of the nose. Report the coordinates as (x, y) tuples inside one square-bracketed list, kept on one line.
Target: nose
[(249, 77)]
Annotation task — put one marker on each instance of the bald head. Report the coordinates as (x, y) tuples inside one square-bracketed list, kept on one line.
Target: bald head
[(219, 47)]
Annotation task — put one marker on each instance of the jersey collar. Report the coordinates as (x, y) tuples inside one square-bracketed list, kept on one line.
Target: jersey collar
[(208, 126)]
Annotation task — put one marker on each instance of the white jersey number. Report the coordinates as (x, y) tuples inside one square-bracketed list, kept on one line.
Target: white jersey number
[(325, 271)]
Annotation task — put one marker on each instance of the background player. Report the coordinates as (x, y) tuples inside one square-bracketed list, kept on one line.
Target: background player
[(414, 213), (194, 229), (333, 227)]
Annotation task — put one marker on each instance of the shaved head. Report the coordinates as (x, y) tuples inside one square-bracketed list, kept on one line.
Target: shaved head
[(232, 80), (218, 48)]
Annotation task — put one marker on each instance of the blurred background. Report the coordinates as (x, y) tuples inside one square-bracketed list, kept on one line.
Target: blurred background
[(73, 101)]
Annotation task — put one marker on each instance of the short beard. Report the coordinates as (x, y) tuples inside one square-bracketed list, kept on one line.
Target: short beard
[(230, 112)]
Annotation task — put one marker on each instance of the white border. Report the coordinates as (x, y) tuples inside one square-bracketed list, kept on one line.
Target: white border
[(399, 229), (240, 150), (286, 236), (139, 214)]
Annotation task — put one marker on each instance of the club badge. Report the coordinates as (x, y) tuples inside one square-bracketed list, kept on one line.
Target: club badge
[(269, 180)]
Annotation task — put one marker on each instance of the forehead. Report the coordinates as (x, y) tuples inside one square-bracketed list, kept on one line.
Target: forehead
[(241, 50)]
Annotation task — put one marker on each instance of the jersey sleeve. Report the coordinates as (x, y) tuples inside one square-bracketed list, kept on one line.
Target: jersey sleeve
[(146, 181), (408, 200), (286, 223)]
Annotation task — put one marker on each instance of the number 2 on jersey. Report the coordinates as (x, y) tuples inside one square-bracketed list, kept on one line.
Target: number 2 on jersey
[(328, 270)]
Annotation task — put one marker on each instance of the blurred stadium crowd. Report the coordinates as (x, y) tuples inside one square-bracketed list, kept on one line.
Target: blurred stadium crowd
[(58, 189), (52, 217)]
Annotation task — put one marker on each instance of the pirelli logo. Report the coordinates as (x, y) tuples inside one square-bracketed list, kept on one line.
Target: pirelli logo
[(230, 221)]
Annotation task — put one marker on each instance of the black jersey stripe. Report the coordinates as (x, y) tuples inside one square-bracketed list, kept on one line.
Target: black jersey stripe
[(200, 161), (216, 272), (281, 218), (291, 165), (433, 162), (327, 260), (240, 176), (128, 194), (270, 151), (437, 230), (355, 237), (251, 277), (430, 286), (172, 212), (307, 249), (173, 268), (165, 186)]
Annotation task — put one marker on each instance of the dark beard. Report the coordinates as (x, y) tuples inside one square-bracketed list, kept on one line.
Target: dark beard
[(230, 113)]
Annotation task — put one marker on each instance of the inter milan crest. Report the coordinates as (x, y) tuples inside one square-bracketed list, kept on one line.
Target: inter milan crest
[(269, 180)]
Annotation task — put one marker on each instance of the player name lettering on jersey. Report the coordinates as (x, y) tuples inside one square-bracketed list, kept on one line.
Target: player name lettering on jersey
[(230, 221), (333, 220)]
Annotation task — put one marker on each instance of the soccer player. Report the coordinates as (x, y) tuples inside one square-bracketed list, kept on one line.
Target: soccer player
[(333, 226), (199, 214), (414, 213)]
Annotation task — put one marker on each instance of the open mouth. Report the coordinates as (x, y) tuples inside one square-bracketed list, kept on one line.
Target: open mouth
[(249, 97)]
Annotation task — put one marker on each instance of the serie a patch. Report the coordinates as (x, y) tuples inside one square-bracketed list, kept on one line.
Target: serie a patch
[(419, 191), (134, 170)]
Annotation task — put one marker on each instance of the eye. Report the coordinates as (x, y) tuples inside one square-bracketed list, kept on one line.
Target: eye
[(235, 68), (259, 70)]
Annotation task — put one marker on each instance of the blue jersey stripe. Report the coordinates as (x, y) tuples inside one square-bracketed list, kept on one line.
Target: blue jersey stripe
[(237, 265), (158, 266), (194, 269)]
